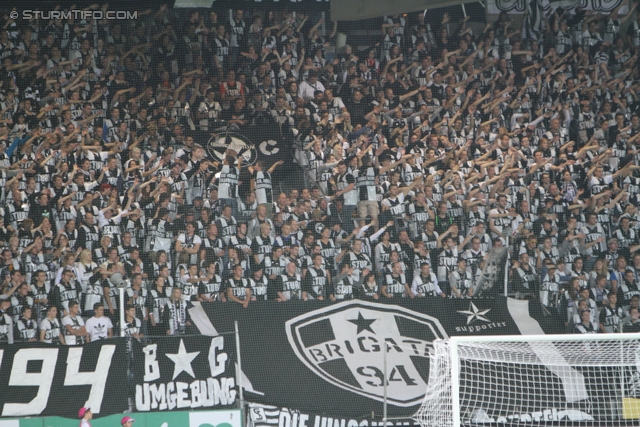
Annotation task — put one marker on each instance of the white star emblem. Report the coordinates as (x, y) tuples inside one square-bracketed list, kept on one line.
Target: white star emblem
[(182, 361), (474, 314)]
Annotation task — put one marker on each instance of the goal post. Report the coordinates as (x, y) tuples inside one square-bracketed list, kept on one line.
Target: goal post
[(560, 379)]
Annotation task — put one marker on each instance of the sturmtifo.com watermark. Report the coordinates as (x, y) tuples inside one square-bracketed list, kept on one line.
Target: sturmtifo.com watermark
[(75, 14)]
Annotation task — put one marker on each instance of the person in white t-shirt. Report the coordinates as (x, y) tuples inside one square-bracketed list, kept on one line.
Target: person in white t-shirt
[(309, 87), (73, 326), (99, 327)]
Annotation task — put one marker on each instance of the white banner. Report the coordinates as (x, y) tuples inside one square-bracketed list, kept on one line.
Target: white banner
[(494, 7)]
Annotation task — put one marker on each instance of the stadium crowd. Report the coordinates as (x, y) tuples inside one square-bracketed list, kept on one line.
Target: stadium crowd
[(419, 156)]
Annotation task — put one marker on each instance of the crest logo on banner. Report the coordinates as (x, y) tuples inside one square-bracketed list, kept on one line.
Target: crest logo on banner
[(548, 6), (219, 144), (343, 344), (509, 5), (269, 147)]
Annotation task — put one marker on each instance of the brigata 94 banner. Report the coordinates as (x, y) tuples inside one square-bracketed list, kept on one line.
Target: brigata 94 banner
[(327, 358)]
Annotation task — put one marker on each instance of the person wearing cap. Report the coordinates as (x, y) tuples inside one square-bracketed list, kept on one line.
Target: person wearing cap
[(127, 421), (85, 416)]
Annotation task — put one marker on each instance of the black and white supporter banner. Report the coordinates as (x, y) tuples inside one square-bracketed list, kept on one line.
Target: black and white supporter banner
[(38, 379), (191, 372), (326, 358)]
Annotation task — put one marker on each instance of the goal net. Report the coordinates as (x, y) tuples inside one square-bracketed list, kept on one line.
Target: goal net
[(562, 380)]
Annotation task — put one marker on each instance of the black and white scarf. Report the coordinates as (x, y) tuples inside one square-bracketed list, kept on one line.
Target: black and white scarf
[(178, 314)]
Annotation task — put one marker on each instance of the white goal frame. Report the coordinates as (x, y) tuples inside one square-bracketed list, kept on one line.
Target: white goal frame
[(455, 342)]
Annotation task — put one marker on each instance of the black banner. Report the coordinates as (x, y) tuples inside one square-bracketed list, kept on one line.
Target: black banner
[(271, 141), (327, 358), (191, 372), (271, 416), (520, 6), (39, 379)]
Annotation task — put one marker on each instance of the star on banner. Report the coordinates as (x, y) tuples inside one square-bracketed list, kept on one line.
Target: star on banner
[(182, 361), (362, 323), (474, 314)]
